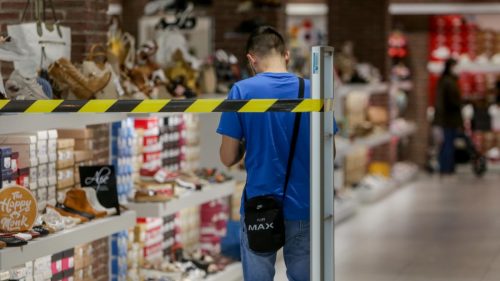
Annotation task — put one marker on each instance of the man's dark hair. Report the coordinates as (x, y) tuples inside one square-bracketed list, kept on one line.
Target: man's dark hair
[(264, 40)]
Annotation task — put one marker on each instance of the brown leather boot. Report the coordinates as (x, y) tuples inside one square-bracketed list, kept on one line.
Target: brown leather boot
[(76, 199), (65, 73)]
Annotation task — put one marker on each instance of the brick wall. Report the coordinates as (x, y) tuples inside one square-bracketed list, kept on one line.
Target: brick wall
[(86, 18), (226, 20), (417, 30), (445, 1), (364, 22)]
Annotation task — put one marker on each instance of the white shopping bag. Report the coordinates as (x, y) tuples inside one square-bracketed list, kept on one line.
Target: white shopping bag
[(44, 43)]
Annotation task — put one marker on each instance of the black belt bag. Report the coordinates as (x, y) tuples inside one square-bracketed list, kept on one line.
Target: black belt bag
[(264, 219)]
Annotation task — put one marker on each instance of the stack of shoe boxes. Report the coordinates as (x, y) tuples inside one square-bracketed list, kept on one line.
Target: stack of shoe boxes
[(123, 147), (148, 233), (168, 234), (52, 175), (187, 228), (99, 144), (6, 178), (65, 164), (119, 263), (134, 256), (62, 265), (41, 269), (17, 273), (83, 262), (170, 139), (213, 225), (151, 151), (190, 135), (27, 160), (82, 150), (42, 148), (100, 262)]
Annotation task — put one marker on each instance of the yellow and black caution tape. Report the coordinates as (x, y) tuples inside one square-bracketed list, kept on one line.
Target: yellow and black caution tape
[(155, 106)]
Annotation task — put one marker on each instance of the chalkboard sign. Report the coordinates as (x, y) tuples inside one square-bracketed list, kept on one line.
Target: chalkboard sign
[(103, 180)]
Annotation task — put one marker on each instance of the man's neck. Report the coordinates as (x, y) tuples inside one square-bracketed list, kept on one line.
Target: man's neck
[(275, 64)]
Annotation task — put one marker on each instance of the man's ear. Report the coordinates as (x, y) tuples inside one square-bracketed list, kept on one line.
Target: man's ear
[(251, 59), (287, 57)]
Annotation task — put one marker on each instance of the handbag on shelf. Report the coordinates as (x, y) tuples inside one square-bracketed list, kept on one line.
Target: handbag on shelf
[(44, 42), (264, 218)]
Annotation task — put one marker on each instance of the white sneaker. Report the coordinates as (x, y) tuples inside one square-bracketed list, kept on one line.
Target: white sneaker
[(22, 88), (94, 202)]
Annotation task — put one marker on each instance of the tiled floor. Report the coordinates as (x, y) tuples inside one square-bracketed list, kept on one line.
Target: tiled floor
[(432, 230)]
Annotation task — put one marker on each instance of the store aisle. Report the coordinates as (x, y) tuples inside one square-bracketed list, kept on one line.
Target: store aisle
[(433, 230)]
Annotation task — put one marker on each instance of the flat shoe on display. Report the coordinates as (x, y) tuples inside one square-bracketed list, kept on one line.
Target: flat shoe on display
[(41, 230), (65, 73), (22, 88), (77, 219), (13, 241), (76, 199)]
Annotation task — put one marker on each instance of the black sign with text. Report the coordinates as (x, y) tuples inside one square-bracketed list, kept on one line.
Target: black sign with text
[(103, 180)]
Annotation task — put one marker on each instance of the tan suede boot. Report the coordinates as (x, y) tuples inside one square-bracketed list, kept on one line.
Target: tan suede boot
[(76, 199), (65, 73)]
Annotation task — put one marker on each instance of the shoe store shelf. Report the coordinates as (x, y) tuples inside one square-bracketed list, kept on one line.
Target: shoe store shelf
[(21, 123), (345, 208), (370, 89), (232, 272), (375, 194), (195, 198), (66, 239), (344, 147)]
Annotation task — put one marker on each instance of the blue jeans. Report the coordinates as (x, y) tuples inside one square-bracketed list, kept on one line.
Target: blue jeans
[(447, 153), (260, 267)]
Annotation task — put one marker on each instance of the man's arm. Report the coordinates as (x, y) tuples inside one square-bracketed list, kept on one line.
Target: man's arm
[(231, 151)]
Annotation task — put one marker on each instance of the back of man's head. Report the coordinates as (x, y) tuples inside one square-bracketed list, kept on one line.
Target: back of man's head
[(265, 41)]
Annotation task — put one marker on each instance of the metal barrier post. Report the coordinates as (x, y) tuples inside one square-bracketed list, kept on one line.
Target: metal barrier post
[(322, 195)]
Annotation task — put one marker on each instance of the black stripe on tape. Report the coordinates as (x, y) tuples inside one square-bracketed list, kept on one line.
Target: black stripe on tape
[(284, 105), (17, 106), (230, 106), (70, 106), (178, 105), (124, 106)]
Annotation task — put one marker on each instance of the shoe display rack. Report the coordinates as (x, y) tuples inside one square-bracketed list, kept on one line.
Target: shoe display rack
[(192, 199), (367, 189), (66, 239)]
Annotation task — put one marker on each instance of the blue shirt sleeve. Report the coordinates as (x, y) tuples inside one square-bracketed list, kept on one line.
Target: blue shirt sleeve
[(335, 127), (230, 123)]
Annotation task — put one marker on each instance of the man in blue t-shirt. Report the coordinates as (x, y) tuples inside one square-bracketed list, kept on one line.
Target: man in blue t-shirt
[(266, 140)]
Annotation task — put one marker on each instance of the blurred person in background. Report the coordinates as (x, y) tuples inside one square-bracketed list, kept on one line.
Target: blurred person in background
[(448, 115)]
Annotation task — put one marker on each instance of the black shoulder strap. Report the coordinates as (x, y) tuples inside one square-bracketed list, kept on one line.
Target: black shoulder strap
[(295, 136)]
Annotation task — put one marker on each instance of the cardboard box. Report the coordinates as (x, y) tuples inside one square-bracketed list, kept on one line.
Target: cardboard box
[(75, 133), (52, 174), (52, 134), (65, 143), (18, 139), (27, 154), (82, 156), (65, 178), (43, 175), (65, 158), (52, 146)]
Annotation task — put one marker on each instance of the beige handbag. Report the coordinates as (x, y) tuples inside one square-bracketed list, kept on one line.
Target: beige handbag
[(95, 66)]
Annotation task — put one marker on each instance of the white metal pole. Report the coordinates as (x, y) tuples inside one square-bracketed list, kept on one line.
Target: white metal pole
[(322, 196)]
